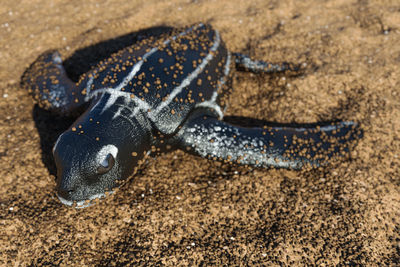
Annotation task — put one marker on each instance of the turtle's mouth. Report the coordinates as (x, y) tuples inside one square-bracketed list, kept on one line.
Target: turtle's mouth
[(83, 203)]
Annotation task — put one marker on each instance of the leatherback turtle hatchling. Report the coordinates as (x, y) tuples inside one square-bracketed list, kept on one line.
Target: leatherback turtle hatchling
[(164, 93)]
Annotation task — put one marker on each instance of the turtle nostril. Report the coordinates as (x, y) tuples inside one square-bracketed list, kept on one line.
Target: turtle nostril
[(66, 196), (65, 192)]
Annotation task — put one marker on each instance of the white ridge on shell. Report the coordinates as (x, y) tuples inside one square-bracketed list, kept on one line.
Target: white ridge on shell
[(190, 77), (116, 92)]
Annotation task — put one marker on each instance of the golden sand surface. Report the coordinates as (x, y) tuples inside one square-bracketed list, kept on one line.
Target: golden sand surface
[(184, 210)]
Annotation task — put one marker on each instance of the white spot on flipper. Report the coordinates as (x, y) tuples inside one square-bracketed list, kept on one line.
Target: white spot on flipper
[(57, 96)]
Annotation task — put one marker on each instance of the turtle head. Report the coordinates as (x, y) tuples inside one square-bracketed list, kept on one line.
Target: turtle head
[(95, 155)]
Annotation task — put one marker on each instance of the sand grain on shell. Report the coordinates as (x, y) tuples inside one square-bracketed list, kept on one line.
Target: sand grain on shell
[(184, 210)]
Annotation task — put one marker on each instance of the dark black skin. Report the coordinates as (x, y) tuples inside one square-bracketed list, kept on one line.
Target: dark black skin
[(165, 94), (74, 153)]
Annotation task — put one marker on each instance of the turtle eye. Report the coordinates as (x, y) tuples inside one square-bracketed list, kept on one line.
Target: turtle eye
[(107, 164)]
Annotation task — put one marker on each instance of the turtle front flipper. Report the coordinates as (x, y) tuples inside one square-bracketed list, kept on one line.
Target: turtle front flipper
[(47, 81), (282, 147), (245, 63)]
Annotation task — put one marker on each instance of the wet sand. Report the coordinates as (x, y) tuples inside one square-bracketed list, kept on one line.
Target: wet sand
[(181, 209)]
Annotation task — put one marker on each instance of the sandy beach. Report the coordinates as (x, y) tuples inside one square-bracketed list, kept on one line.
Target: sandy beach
[(187, 211)]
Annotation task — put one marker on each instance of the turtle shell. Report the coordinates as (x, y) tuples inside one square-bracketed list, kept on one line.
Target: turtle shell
[(167, 77)]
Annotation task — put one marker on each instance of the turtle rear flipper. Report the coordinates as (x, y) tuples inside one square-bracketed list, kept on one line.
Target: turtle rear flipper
[(282, 147), (47, 81), (245, 63)]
